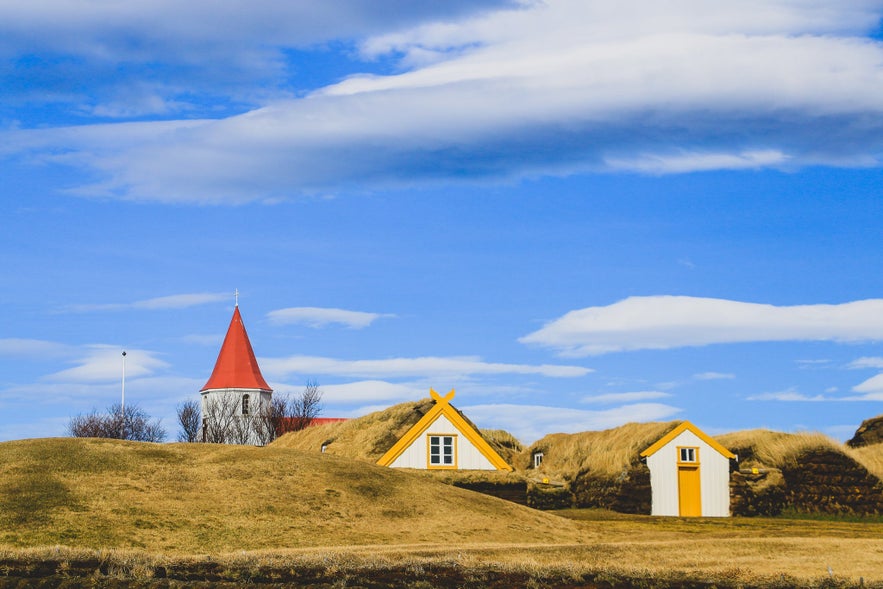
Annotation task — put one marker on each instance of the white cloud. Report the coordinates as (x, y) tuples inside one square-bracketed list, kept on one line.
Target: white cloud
[(362, 391), (455, 366), (528, 423), (871, 385), (714, 376), (641, 87), (318, 317), (179, 301), (695, 162), (664, 322), (625, 397), (871, 390), (33, 348), (105, 363), (789, 395), (866, 362)]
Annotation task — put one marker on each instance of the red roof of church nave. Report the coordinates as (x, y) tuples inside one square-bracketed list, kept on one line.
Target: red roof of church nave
[(236, 367)]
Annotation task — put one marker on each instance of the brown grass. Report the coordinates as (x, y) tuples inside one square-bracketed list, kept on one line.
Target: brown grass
[(199, 497), (137, 507), (605, 453), (658, 552), (364, 438), (767, 449), (368, 438)]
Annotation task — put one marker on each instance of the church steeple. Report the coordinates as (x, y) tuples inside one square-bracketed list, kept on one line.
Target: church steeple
[(237, 367)]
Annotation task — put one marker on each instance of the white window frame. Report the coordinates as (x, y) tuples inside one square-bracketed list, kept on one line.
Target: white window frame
[(446, 455), (688, 455)]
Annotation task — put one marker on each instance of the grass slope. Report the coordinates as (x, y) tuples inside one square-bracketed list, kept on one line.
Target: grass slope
[(602, 453), (211, 498), (768, 449), (370, 436)]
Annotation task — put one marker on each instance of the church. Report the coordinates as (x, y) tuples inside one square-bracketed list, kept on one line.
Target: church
[(236, 397)]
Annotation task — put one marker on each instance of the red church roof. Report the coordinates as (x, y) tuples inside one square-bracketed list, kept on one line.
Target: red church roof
[(236, 367)]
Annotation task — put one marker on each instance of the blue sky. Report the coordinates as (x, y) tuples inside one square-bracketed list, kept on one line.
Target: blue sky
[(577, 214)]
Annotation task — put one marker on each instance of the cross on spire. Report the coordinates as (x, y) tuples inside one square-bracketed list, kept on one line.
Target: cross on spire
[(236, 294)]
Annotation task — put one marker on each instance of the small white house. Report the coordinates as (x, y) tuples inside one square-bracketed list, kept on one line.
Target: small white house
[(689, 474), (443, 440)]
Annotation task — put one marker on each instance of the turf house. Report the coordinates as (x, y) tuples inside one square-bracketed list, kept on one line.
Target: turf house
[(443, 440), (689, 474)]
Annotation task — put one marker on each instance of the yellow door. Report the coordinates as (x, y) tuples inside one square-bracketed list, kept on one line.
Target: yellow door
[(689, 491)]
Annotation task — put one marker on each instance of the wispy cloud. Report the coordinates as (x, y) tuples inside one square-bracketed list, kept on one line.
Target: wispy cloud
[(866, 362), (34, 348), (871, 385), (870, 390), (789, 395), (530, 422), (318, 317), (632, 397), (102, 363), (363, 391), (457, 366), (664, 322), (179, 301), (643, 89), (714, 376)]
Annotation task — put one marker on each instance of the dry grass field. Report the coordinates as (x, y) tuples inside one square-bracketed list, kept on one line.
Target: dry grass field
[(147, 512)]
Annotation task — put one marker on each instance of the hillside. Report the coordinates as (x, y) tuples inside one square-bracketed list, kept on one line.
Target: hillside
[(212, 498)]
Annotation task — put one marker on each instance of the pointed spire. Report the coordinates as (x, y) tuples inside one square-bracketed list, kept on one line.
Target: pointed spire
[(237, 367)]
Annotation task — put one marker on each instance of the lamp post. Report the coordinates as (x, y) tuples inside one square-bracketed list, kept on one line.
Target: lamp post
[(123, 403)]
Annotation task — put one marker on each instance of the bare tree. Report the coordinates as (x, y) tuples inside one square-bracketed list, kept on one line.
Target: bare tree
[(269, 422), (219, 419), (133, 424), (223, 422), (189, 419), (303, 408), (290, 413)]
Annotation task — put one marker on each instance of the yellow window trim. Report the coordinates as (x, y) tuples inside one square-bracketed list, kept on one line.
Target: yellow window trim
[(684, 426), (443, 407), (429, 464)]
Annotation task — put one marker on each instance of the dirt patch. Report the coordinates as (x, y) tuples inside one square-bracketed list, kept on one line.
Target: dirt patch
[(93, 573)]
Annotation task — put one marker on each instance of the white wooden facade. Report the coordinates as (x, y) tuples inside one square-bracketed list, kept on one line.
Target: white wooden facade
[(466, 455), (684, 451), (237, 409), (443, 440)]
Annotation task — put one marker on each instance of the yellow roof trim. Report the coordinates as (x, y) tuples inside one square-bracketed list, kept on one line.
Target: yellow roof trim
[(684, 426), (443, 407)]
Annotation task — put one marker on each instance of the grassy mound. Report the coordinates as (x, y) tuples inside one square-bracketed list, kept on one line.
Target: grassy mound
[(364, 438), (211, 498), (870, 432), (597, 469), (607, 452), (804, 473), (369, 437)]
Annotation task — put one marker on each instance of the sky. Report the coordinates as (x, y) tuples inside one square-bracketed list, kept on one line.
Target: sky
[(575, 213)]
